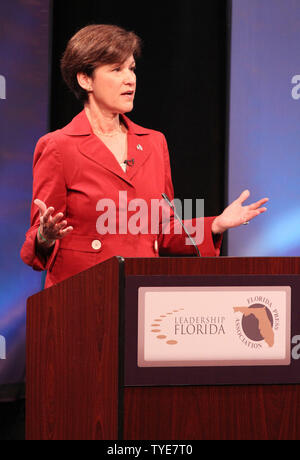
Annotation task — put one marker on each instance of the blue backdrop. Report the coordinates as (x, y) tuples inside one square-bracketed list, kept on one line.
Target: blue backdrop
[(24, 44), (264, 142)]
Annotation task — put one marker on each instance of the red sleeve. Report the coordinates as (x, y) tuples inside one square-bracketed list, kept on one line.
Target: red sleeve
[(172, 238), (49, 186)]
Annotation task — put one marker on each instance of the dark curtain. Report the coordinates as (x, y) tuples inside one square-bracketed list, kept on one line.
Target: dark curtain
[(182, 82)]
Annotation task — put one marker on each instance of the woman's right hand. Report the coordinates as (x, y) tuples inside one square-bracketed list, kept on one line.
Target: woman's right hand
[(51, 228)]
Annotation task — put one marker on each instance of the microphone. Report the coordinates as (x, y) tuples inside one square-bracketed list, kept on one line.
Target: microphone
[(165, 197), (129, 162)]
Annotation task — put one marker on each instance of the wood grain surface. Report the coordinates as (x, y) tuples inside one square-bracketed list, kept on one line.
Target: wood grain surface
[(256, 412), (72, 389), (75, 366)]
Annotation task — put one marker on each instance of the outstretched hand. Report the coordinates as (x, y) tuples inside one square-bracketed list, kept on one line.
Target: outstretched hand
[(51, 227), (236, 214)]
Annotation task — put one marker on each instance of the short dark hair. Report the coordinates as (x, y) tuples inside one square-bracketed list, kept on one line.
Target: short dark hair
[(95, 45)]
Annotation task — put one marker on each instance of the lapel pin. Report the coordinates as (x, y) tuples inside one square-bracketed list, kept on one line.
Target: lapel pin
[(139, 147)]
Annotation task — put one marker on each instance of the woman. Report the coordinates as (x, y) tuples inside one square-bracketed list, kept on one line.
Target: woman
[(90, 176)]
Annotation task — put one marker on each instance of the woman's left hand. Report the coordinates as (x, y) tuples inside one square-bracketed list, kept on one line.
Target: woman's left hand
[(236, 214)]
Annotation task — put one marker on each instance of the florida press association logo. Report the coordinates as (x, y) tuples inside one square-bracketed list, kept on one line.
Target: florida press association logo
[(257, 323)]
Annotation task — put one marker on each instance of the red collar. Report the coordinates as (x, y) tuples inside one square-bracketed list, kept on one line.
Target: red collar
[(80, 126)]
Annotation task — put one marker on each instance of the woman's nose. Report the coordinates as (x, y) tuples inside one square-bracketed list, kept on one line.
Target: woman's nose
[(130, 78)]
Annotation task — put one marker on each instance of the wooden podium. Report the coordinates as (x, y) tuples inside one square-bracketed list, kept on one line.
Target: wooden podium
[(75, 366)]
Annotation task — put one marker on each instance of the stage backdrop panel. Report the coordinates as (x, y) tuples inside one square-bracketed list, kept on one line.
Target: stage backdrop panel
[(24, 45), (264, 135)]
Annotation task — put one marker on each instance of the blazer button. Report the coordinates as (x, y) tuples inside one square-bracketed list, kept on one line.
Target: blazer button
[(155, 246), (96, 244)]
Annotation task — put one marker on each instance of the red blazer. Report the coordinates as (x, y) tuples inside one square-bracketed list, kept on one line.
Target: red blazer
[(73, 170)]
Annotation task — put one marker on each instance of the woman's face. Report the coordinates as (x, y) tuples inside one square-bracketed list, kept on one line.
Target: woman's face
[(112, 86)]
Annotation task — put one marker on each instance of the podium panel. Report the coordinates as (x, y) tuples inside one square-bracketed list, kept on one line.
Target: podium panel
[(85, 379)]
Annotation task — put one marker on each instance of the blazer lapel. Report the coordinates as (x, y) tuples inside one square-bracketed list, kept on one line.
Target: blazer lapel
[(138, 146), (139, 151), (92, 147)]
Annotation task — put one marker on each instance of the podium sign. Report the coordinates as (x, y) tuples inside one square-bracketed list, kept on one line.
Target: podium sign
[(220, 326), (218, 322)]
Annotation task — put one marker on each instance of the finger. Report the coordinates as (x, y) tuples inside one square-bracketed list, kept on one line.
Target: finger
[(258, 204), (47, 214), (57, 218), (52, 230), (243, 197), (65, 232), (53, 233), (256, 213), (41, 205), (61, 225), (261, 210)]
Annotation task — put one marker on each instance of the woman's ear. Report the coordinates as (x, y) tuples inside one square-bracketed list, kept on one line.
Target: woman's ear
[(84, 81)]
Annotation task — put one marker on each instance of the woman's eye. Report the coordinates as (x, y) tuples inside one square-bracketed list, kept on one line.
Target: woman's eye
[(119, 69)]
